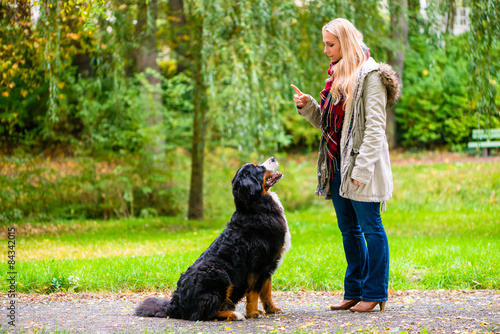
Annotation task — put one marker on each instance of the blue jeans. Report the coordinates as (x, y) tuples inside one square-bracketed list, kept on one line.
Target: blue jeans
[(365, 245)]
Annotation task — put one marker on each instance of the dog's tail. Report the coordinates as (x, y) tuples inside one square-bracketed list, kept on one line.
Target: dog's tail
[(153, 307)]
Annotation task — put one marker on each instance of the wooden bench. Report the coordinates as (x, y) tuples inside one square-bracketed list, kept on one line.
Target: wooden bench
[(484, 139)]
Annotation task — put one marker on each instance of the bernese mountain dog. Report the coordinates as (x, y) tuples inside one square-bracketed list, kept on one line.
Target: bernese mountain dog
[(241, 260)]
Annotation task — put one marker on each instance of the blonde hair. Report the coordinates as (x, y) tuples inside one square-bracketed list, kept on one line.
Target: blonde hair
[(346, 70)]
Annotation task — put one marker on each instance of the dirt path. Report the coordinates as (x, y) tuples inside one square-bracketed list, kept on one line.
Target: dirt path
[(305, 311)]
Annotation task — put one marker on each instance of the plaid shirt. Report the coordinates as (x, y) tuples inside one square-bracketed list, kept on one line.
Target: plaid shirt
[(332, 118)]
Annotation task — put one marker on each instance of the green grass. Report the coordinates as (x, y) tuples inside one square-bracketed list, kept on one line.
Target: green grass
[(132, 256), (443, 226)]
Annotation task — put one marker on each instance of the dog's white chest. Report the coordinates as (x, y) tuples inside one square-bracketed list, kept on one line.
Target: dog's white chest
[(288, 238)]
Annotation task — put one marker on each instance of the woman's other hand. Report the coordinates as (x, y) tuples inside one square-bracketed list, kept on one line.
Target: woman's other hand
[(356, 182), (299, 98)]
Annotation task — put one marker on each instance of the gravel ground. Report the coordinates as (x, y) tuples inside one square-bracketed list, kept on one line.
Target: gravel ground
[(460, 311)]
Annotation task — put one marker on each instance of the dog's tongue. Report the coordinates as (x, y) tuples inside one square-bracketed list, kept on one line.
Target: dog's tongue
[(274, 179)]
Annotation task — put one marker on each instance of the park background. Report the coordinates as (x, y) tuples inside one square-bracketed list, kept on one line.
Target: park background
[(122, 124)]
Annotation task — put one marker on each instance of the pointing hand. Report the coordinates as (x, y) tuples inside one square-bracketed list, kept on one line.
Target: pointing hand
[(299, 98)]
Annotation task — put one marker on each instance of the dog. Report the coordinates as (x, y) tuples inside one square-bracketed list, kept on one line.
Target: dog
[(241, 260)]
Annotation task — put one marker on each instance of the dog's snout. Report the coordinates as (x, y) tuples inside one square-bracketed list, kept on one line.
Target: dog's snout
[(271, 164)]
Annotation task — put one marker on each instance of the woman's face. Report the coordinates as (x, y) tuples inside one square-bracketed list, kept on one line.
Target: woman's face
[(332, 46)]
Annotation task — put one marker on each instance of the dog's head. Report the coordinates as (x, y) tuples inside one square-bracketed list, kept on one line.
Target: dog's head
[(253, 180)]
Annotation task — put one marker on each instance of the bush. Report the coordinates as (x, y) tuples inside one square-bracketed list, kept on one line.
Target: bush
[(43, 189), (435, 110)]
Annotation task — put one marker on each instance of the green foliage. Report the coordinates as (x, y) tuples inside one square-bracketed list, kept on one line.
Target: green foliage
[(67, 84), (247, 61), (42, 189), (61, 283), (114, 115), (22, 87), (109, 122), (435, 109), (484, 66), (178, 120), (69, 79)]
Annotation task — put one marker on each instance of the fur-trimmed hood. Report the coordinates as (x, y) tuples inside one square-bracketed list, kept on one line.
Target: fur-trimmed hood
[(388, 76), (391, 81)]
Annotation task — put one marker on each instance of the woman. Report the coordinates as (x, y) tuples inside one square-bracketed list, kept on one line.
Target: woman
[(353, 164)]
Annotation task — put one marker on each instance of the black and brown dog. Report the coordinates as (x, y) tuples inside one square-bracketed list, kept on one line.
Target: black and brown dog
[(240, 262)]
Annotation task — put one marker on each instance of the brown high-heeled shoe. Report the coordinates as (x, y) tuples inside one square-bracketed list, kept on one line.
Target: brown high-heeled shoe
[(367, 306), (345, 304)]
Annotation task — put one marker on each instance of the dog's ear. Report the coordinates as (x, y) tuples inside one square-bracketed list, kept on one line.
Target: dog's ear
[(236, 176), (245, 187), (251, 186)]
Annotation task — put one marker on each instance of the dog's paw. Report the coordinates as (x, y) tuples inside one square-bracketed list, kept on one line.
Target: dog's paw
[(239, 316), (255, 314), (273, 310)]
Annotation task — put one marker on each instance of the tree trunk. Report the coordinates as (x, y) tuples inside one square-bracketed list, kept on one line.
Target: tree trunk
[(195, 210), (145, 57), (399, 34), (178, 32), (181, 46), (451, 17)]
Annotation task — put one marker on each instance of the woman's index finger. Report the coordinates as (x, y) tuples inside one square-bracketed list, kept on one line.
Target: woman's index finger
[(296, 89)]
